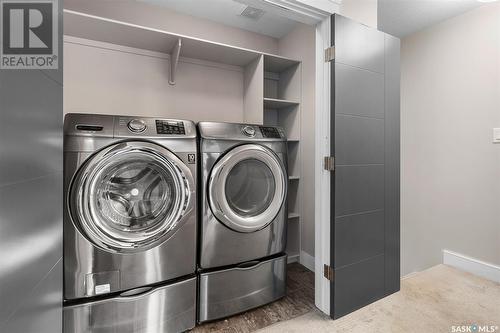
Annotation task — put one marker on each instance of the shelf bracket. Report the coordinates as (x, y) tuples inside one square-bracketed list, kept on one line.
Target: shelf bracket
[(174, 60)]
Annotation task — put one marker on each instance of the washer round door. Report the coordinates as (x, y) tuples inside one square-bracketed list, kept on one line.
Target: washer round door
[(247, 188), (131, 196)]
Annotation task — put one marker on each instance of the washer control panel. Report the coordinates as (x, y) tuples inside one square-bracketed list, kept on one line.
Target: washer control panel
[(170, 127), (147, 127), (271, 132), (137, 125)]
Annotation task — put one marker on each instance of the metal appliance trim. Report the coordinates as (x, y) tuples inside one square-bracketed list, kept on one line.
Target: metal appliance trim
[(184, 175), (217, 193)]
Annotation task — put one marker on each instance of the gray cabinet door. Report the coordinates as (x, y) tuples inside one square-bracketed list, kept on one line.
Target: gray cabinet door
[(365, 183)]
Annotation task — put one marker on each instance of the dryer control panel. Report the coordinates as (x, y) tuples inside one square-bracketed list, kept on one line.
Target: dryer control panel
[(271, 132), (243, 132)]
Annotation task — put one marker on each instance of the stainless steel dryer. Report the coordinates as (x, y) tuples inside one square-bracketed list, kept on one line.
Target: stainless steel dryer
[(129, 224), (244, 217)]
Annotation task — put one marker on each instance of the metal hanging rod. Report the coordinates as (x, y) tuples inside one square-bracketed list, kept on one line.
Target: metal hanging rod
[(174, 59)]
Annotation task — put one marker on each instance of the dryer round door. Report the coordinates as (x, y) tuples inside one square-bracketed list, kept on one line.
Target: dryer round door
[(131, 196), (247, 188)]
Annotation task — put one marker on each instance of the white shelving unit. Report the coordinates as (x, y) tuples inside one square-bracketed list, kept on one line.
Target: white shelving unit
[(271, 85), (282, 94)]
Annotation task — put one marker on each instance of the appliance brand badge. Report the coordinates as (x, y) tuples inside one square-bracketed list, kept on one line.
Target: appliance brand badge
[(29, 34), (102, 289), (191, 158)]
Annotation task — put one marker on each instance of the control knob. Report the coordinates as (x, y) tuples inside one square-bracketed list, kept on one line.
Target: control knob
[(249, 131), (136, 125)]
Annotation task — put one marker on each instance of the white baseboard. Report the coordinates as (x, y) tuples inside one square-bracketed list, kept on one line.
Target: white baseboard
[(307, 260), (292, 258), (471, 265), (409, 275)]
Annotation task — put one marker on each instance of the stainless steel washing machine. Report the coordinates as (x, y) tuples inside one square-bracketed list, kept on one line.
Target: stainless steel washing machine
[(130, 226), (244, 217)]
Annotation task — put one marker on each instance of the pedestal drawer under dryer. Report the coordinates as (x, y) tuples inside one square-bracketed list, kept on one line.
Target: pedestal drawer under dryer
[(229, 291)]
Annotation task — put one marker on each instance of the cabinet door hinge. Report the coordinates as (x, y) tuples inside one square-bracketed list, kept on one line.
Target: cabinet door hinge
[(329, 163), (328, 272), (330, 54)]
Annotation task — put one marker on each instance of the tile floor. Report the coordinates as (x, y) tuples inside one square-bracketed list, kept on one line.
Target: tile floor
[(434, 300), (298, 301)]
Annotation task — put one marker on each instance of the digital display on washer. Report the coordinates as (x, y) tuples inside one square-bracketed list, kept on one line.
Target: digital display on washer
[(170, 127), (270, 132)]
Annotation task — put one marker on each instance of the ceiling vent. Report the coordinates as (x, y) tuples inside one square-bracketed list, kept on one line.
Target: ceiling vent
[(252, 13)]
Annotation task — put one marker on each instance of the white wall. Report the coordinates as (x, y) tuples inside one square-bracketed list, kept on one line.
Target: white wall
[(110, 79), (158, 17), (362, 11), (300, 44), (450, 169)]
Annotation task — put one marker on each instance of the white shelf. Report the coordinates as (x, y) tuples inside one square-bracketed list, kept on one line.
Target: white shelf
[(277, 64), (106, 30), (97, 28), (293, 177), (293, 216), (274, 103)]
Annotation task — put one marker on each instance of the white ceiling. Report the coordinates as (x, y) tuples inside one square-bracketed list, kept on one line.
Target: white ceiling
[(228, 12), (404, 17), (396, 17)]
